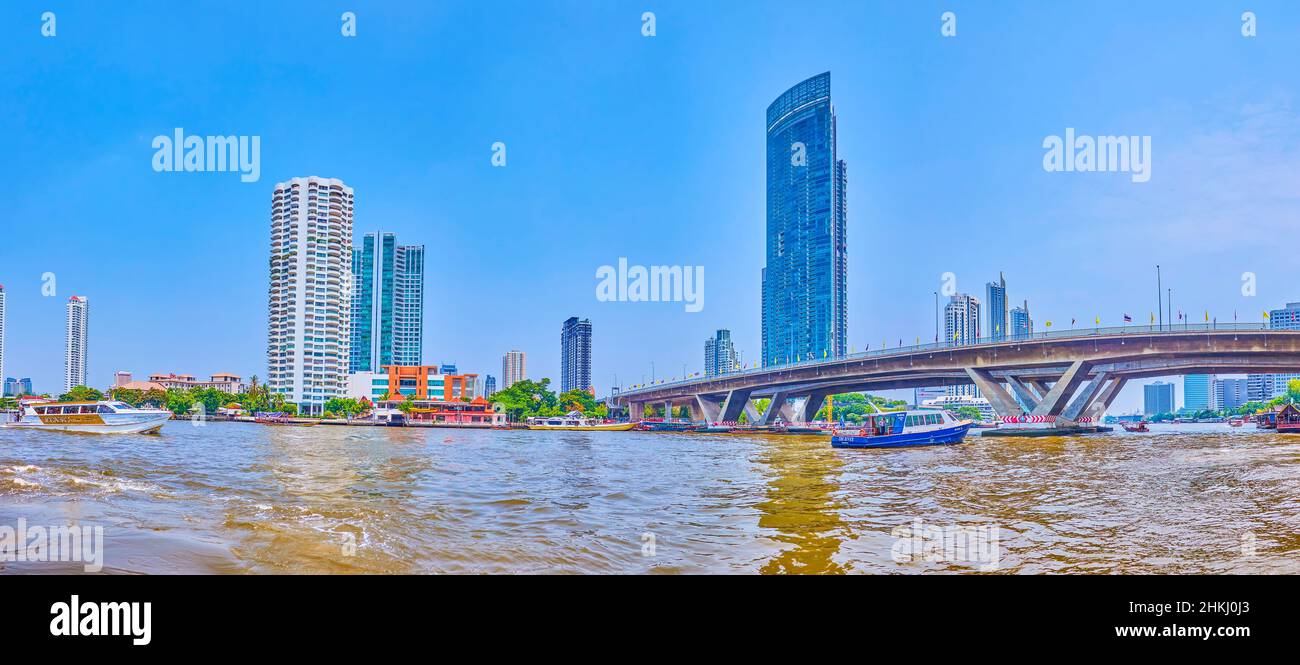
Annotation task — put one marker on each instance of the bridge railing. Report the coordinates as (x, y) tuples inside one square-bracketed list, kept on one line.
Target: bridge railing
[(1070, 333)]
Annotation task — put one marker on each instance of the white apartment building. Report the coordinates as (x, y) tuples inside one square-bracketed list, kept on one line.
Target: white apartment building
[(310, 298), (75, 356), (514, 368)]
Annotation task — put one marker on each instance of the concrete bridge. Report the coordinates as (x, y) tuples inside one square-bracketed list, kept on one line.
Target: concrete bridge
[(1064, 375)]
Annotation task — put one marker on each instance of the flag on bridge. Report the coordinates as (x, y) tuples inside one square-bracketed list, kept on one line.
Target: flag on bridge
[(1153, 318), (1128, 319), (1266, 316)]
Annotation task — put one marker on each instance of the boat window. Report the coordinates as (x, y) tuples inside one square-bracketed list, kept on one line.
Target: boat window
[(104, 408), (89, 408), (42, 410), (71, 409)]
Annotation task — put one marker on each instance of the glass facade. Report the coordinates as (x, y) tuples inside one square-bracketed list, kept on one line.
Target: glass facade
[(575, 355), (387, 304), (1198, 393), (1158, 398), (804, 291), (995, 298)]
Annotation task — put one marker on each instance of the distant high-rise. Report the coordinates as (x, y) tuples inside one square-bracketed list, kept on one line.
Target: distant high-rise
[(805, 301), (1230, 393), (962, 319), (719, 354), (309, 321), (387, 304), (995, 300), (1022, 326), (1158, 398), (77, 332), (962, 326), (575, 355), (1198, 393), (514, 368), (489, 386), (2, 330), (1264, 387)]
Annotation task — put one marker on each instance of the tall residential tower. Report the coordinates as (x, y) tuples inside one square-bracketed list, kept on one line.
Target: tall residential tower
[(75, 356), (310, 299), (387, 303), (575, 355), (514, 368), (996, 302), (961, 318), (719, 354), (805, 308)]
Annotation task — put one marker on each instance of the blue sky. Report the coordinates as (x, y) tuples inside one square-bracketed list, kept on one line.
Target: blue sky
[(650, 148)]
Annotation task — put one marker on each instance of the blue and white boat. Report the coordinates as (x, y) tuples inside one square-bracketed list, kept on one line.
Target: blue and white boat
[(900, 429)]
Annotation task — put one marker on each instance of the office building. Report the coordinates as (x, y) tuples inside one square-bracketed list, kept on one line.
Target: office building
[(75, 353), (489, 385), (387, 303), (1230, 393), (416, 381), (805, 302), (995, 302), (575, 355), (1198, 393), (310, 299), (1022, 326), (1157, 398)]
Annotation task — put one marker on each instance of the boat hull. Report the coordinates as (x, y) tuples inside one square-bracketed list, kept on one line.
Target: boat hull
[(111, 425), (938, 437)]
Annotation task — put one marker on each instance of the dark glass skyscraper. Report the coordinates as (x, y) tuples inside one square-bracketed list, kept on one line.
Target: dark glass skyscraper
[(575, 355), (805, 312), (387, 303)]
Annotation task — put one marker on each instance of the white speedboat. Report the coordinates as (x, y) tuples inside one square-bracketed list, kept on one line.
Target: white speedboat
[(91, 417), (575, 421)]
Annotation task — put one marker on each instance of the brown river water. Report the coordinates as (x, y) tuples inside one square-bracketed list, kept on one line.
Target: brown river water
[(245, 498)]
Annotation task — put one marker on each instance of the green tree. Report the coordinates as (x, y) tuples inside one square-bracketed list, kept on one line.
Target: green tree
[(81, 394), (179, 401), (527, 398), (969, 413)]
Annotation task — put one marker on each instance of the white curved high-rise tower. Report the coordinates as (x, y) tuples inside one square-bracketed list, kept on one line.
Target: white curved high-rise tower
[(310, 299), (75, 354)]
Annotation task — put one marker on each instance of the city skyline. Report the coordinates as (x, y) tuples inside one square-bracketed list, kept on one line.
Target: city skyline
[(888, 128)]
